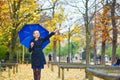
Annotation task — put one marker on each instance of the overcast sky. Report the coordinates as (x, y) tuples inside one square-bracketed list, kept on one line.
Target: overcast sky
[(72, 10)]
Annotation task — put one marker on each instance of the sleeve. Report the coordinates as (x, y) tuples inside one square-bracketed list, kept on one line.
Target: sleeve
[(50, 35), (31, 49)]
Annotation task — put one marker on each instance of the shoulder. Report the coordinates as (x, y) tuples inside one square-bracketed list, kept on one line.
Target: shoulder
[(41, 38), (32, 40)]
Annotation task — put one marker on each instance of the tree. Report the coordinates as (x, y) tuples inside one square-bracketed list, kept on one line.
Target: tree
[(86, 21), (4, 23), (20, 12), (102, 23), (105, 33), (114, 41), (51, 23), (74, 35), (108, 19), (88, 12), (94, 37)]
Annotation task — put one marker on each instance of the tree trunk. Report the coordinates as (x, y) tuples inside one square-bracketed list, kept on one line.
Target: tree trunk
[(54, 50), (103, 53), (87, 48), (23, 53), (103, 46), (13, 45), (95, 51), (14, 17), (114, 41), (59, 45), (69, 45), (87, 34), (59, 50)]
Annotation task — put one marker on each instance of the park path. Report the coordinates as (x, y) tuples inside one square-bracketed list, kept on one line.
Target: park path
[(25, 73)]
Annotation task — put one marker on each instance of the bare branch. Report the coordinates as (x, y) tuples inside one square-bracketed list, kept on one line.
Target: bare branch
[(46, 9), (54, 4)]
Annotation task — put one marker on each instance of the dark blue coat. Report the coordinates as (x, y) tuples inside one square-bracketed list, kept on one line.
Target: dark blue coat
[(37, 57)]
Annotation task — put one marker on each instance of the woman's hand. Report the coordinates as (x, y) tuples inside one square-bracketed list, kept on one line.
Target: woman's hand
[(56, 30), (32, 44)]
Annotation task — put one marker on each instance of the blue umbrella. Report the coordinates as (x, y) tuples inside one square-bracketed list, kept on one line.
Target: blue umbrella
[(26, 34)]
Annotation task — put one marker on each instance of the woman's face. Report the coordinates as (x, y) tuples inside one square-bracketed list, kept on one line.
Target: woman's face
[(36, 34)]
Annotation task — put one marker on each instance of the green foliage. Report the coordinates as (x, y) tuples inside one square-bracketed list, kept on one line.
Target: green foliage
[(109, 51), (64, 49), (1, 40), (118, 51), (48, 49), (3, 50), (76, 45)]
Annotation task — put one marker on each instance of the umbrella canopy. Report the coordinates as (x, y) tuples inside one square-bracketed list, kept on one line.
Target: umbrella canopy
[(26, 34)]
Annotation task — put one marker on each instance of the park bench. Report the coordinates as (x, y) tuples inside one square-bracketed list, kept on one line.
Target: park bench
[(53, 63), (62, 63), (74, 66), (106, 73), (1, 69), (13, 66)]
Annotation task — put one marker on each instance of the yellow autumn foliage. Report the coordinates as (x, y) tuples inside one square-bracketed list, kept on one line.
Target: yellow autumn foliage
[(12, 15)]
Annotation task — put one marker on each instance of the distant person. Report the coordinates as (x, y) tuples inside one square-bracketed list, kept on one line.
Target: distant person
[(2, 61), (68, 59), (76, 57), (117, 63), (50, 57), (98, 58)]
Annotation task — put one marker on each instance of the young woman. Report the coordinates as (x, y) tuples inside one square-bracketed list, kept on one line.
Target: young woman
[(38, 58)]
